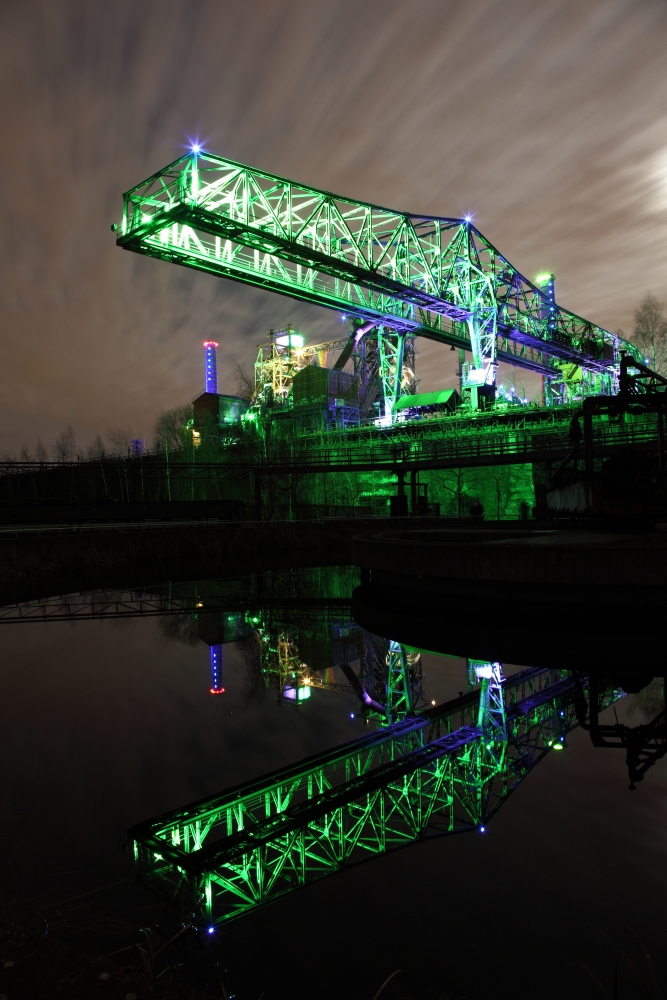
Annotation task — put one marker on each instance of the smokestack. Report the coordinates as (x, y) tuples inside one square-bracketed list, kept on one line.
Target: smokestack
[(211, 369)]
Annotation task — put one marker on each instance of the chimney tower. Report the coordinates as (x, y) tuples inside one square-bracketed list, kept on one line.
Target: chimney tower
[(211, 366)]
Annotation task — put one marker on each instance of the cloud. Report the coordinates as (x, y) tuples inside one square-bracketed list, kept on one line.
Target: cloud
[(546, 121)]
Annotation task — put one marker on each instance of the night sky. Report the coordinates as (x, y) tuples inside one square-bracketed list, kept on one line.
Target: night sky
[(546, 121)]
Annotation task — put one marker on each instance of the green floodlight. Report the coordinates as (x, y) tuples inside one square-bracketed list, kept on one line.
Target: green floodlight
[(290, 340)]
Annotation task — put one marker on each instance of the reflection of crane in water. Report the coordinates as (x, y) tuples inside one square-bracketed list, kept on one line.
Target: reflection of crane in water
[(339, 656), (427, 774), (644, 745)]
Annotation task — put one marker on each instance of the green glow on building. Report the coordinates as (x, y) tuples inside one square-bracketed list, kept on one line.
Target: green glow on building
[(394, 276)]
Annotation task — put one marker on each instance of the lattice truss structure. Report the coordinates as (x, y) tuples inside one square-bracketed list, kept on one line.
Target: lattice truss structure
[(277, 364), (446, 770), (131, 604), (385, 677), (383, 361), (435, 277)]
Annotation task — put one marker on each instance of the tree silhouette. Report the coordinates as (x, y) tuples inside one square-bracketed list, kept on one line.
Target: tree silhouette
[(650, 332)]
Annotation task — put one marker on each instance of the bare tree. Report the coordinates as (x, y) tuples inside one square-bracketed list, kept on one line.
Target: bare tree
[(502, 486), (243, 380), (180, 628), (497, 484), (171, 428), (455, 482), (40, 452), (651, 699), (24, 454), (96, 449), (650, 332), (65, 447), (120, 438)]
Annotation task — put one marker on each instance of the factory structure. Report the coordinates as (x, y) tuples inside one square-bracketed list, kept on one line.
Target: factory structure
[(366, 380), (359, 395), (342, 425)]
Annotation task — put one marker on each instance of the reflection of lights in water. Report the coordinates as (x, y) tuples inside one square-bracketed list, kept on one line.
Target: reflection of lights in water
[(216, 670), (297, 694)]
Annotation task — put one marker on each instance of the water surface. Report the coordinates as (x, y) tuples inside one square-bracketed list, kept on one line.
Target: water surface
[(108, 722)]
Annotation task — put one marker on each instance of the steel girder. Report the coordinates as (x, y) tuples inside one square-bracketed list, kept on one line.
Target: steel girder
[(398, 699), (435, 277), (426, 776), (126, 604), (391, 348)]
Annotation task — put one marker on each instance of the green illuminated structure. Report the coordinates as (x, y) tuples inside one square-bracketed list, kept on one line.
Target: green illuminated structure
[(399, 272), (333, 442), (443, 771)]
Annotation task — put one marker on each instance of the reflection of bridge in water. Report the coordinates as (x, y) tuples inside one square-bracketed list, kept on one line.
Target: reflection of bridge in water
[(441, 771), (293, 659), (423, 772)]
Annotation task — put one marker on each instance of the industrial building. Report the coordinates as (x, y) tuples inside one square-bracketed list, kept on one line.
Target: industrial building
[(350, 410)]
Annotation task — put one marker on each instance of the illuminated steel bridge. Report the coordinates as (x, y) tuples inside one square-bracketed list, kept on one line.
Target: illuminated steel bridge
[(443, 771), (396, 273)]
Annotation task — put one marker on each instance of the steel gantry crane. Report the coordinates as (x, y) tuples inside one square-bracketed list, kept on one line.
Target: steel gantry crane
[(397, 272)]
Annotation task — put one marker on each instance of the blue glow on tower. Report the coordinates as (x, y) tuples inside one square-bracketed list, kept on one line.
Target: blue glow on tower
[(216, 670), (546, 283), (211, 372)]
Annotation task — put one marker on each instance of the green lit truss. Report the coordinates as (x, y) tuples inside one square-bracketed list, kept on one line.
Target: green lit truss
[(443, 771), (435, 277)]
